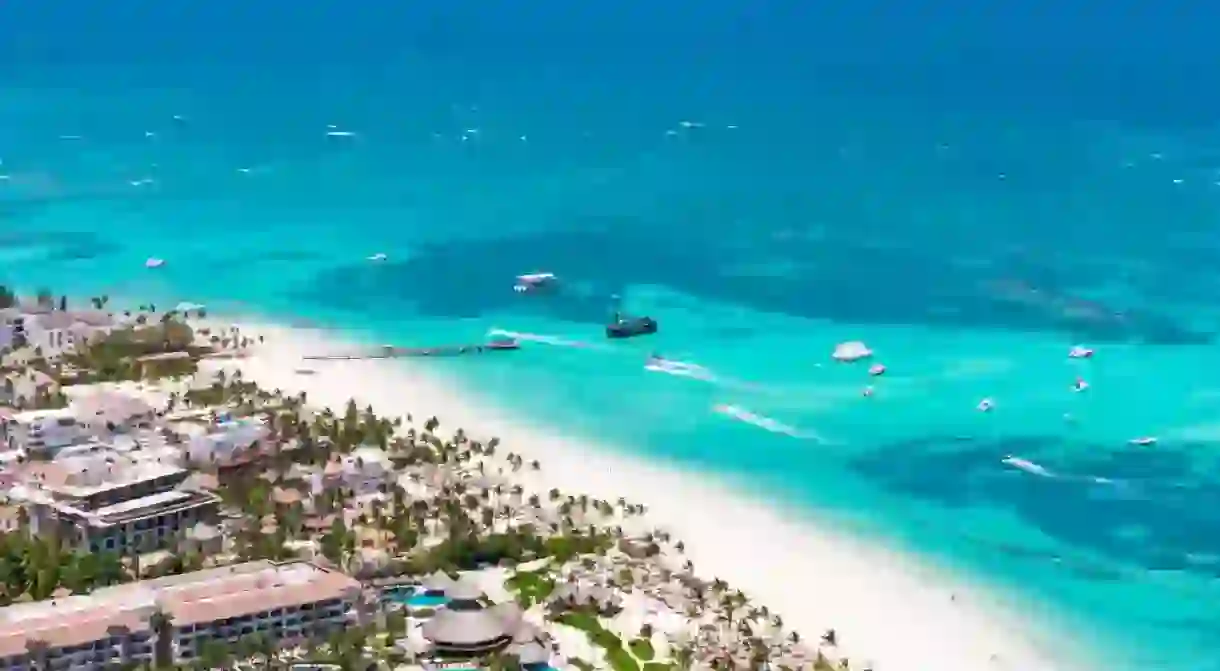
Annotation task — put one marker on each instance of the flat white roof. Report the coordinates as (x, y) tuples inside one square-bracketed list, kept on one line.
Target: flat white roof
[(30, 416), (103, 470), (161, 499)]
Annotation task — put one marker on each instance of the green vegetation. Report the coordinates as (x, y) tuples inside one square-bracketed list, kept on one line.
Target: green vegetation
[(620, 657), (33, 568), (117, 356), (7, 298), (531, 587), (466, 550), (642, 649)]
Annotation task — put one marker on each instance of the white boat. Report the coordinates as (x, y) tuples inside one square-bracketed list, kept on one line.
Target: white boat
[(379, 256), (534, 281), (1079, 352), (851, 351), (154, 262), (1143, 441)]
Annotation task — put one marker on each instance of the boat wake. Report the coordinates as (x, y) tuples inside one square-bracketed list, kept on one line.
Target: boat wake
[(765, 423), (1027, 466), (694, 371), (1041, 471), (544, 339), (681, 369)]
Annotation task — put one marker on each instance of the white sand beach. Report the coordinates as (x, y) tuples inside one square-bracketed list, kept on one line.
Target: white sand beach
[(888, 612)]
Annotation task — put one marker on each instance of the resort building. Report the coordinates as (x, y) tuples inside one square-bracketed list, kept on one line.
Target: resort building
[(46, 432), (103, 412), (78, 632), (24, 387), (56, 332), (110, 501), (467, 627), (223, 442), (291, 601), (10, 326), (166, 620), (43, 431), (365, 470)]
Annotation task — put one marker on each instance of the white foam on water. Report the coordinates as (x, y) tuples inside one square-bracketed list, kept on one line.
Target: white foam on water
[(681, 369), (763, 422), (1041, 471), (695, 371), (545, 339)]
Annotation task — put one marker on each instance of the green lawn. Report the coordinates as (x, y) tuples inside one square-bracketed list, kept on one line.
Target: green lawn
[(531, 587), (620, 657), (642, 649)]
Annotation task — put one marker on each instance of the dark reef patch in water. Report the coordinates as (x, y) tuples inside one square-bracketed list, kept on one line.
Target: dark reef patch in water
[(1156, 492), (59, 246), (837, 277)]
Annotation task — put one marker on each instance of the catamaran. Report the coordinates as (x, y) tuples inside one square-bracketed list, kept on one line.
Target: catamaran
[(534, 282)]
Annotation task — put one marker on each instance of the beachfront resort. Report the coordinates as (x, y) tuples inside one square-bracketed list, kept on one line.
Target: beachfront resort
[(158, 510)]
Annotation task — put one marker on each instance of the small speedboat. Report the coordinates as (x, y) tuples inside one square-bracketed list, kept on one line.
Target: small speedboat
[(154, 262), (1143, 441), (876, 370), (1080, 352), (986, 405), (379, 256), (534, 282), (501, 342), (1080, 385)]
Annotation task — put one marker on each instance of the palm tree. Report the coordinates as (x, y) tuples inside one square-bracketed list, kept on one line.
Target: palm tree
[(504, 661), (685, 657), (162, 631)]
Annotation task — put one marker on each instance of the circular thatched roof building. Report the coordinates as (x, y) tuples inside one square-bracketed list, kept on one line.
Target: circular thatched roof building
[(438, 583), (464, 590), (465, 626)]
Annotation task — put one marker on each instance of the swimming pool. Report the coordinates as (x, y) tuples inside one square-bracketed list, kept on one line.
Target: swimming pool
[(409, 596), (423, 600)]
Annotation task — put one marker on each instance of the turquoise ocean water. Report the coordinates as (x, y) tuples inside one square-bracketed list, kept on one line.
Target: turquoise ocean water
[(971, 190)]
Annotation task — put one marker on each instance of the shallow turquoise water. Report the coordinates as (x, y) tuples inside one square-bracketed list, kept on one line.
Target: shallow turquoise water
[(970, 224)]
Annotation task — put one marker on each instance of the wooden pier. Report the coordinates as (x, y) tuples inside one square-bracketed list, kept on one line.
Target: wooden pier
[(403, 352)]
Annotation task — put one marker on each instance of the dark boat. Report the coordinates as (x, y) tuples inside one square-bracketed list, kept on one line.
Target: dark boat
[(630, 327)]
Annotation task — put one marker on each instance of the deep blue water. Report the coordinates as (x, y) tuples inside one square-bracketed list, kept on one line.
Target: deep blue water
[(970, 188)]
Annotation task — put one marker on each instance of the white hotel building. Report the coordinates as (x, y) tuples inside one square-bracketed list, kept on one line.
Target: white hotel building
[(46, 432), (111, 501), (167, 620)]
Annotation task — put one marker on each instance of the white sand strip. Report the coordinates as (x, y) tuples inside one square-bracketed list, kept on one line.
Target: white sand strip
[(887, 611)]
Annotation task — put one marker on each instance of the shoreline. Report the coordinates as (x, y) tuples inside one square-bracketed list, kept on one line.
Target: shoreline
[(887, 610)]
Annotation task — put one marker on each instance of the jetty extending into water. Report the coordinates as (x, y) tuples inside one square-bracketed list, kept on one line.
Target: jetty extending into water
[(389, 352)]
